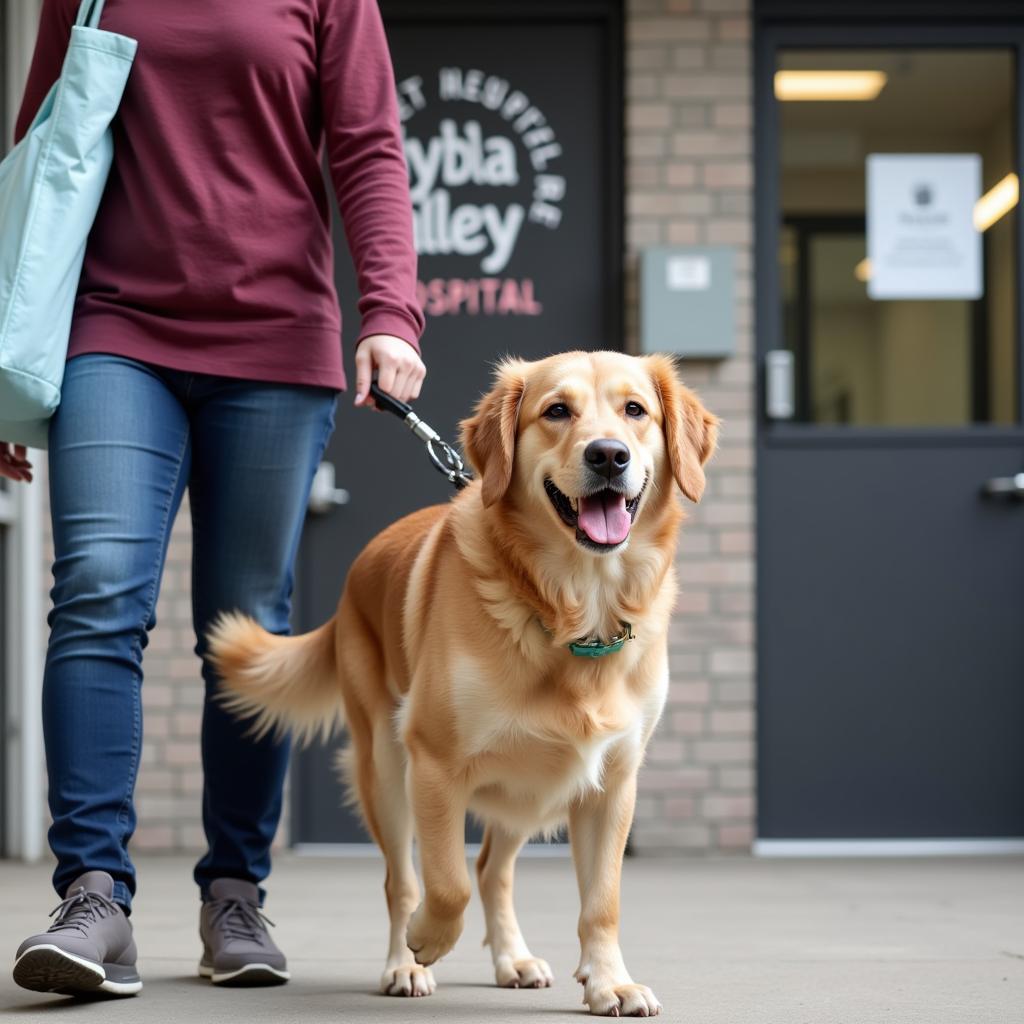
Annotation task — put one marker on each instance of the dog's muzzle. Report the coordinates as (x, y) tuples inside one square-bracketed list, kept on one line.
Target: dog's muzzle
[(602, 519)]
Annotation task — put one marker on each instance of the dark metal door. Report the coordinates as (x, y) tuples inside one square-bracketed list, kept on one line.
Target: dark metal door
[(512, 116), (890, 588)]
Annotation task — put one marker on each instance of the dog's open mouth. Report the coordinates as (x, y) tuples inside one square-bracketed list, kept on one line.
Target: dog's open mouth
[(602, 520)]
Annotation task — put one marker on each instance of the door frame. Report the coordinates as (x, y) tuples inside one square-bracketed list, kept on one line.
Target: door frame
[(21, 671), (862, 24)]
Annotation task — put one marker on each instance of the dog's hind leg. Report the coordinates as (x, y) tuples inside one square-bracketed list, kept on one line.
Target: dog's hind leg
[(390, 819), (439, 800), (514, 965)]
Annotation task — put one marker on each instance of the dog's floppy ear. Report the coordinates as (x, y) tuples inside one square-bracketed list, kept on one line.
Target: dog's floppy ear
[(489, 435), (691, 432)]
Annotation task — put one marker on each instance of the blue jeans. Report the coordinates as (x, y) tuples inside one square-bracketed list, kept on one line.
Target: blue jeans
[(125, 442)]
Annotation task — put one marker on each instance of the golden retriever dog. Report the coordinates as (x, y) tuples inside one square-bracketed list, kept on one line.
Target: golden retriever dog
[(505, 654)]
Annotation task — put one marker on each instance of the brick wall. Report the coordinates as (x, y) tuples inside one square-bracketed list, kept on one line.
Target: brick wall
[(689, 181), (688, 145)]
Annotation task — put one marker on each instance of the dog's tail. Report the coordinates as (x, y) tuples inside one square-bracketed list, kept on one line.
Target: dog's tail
[(284, 683)]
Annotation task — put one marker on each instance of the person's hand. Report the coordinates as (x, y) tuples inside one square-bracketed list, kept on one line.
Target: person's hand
[(400, 371), (13, 463)]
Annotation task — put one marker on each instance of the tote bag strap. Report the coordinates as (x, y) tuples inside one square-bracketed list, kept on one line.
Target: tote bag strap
[(89, 12)]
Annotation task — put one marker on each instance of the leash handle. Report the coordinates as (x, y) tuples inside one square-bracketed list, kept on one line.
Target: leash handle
[(388, 402)]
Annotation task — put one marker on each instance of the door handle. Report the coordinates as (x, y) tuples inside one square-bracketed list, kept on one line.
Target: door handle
[(779, 402), (1004, 486), (324, 495)]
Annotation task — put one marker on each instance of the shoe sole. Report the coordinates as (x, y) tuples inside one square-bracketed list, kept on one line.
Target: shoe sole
[(51, 969), (249, 976)]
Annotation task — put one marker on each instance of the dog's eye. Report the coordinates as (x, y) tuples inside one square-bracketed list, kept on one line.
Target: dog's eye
[(558, 411), (635, 410)]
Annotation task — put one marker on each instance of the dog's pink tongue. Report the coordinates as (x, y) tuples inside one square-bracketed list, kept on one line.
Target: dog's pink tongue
[(603, 517)]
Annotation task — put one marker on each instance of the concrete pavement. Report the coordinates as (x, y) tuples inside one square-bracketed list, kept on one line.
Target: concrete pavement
[(719, 941)]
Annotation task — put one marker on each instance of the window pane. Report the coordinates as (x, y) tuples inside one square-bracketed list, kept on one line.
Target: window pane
[(905, 361)]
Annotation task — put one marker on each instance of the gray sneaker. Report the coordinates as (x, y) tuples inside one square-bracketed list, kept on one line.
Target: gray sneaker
[(89, 947), (237, 948)]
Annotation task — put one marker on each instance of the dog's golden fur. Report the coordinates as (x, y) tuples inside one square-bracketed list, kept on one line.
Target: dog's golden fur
[(448, 662)]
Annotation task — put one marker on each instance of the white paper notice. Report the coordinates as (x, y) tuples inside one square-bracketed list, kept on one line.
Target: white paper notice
[(922, 243), (688, 273)]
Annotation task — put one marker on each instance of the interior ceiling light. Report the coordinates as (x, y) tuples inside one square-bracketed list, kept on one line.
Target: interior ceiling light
[(998, 201), (829, 85)]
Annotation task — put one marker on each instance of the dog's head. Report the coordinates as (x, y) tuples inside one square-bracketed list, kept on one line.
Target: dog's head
[(586, 441)]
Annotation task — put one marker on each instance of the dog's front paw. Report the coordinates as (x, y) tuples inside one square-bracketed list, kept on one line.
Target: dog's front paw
[(610, 1000), (430, 937), (407, 980), (530, 972)]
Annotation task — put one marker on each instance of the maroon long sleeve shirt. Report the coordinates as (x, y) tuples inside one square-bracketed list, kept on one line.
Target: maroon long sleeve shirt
[(211, 250)]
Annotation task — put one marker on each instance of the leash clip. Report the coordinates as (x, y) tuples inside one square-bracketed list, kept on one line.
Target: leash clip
[(445, 458)]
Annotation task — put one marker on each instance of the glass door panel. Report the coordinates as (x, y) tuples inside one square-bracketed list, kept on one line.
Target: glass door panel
[(937, 361)]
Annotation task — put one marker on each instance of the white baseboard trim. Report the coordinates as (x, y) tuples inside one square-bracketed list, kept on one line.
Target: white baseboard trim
[(887, 847), (371, 850)]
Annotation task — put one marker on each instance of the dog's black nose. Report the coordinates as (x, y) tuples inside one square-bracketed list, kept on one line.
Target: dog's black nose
[(607, 457)]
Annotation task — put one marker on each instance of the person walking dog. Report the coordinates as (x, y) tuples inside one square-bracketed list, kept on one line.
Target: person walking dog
[(204, 354)]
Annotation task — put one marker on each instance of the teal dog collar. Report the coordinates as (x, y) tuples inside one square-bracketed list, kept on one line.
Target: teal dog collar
[(597, 648)]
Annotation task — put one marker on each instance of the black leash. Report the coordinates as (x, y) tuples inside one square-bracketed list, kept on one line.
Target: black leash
[(445, 458)]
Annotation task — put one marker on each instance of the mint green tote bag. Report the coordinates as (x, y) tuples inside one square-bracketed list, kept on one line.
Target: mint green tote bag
[(51, 184)]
